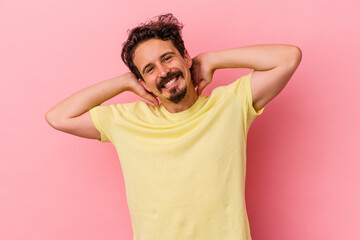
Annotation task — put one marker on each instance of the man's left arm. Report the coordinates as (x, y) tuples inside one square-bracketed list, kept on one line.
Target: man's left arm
[(273, 65)]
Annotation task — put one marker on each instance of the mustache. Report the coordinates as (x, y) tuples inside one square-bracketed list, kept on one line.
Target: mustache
[(168, 77)]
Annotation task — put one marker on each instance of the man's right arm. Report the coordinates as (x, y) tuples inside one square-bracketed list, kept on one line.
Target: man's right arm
[(72, 114)]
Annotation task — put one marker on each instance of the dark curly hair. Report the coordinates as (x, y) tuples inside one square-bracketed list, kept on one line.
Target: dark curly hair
[(164, 27)]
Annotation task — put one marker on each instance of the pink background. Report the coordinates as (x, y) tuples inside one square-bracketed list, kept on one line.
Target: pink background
[(303, 151)]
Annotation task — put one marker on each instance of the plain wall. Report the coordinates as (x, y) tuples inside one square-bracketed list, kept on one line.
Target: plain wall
[(303, 151)]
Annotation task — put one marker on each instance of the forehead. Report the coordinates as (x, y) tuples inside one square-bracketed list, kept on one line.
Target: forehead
[(151, 50)]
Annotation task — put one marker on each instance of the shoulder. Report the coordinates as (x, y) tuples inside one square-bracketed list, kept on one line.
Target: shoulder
[(121, 108), (238, 87)]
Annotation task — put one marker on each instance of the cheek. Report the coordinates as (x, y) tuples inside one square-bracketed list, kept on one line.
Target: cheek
[(150, 80), (152, 85), (187, 73)]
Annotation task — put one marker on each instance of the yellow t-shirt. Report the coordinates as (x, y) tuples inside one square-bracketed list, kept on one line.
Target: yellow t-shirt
[(184, 172)]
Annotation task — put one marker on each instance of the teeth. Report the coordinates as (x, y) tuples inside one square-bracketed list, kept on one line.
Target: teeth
[(170, 83)]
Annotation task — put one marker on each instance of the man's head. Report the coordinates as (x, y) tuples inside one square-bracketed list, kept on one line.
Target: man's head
[(156, 54), (164, 27)]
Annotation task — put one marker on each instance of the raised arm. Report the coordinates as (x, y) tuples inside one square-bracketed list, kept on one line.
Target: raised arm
[(273, 65), (72, 114)]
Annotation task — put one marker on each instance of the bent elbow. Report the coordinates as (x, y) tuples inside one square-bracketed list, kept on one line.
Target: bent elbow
[(51, 120), (296, 55)]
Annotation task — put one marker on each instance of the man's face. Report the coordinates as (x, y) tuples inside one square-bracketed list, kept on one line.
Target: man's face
[(165, 72)]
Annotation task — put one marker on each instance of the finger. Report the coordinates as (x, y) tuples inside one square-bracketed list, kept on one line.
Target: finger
[(151, 98), (142, 92), (195, 76), (155, 100), (199, 90), (201, 87)]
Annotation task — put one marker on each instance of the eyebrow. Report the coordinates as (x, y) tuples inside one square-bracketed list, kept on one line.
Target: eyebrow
[(162, 56)]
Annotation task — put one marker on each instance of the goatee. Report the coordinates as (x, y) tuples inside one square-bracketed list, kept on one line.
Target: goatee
[(177, 95), (167, 78)]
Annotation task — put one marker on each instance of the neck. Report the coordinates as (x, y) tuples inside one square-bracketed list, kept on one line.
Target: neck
[(190, 98)]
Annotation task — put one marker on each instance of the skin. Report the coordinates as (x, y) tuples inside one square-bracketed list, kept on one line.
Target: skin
[(158, 62), (272, 64)]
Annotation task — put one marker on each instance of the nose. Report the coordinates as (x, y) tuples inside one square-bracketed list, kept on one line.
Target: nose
[(163, 70)]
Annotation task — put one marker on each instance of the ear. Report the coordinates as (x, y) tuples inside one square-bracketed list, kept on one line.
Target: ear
[(144, 85), (187, 58)]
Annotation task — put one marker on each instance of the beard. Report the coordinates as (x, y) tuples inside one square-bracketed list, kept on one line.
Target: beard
[(176, 95)]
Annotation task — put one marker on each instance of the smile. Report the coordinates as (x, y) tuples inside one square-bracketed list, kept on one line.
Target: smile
[(171, 83)]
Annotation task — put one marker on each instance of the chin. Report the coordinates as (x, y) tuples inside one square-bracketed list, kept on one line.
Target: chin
[(178, 96)]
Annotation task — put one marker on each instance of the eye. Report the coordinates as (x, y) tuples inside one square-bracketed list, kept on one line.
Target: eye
[(149, 69), (167, 58)]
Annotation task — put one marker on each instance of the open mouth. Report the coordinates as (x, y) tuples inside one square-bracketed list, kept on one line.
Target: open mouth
[(171, 83)]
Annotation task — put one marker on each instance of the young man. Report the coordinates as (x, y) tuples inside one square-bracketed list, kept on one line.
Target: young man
[(183, 159)]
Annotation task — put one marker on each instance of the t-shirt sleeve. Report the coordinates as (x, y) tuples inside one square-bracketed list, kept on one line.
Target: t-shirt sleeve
[(103, 118), (242, 89)]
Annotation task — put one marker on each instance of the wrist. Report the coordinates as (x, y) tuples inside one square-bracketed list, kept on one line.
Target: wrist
[(126, 81), (209, 60), (212, 61)]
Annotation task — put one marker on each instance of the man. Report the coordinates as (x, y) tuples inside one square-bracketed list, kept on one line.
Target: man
[(183, 158)]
